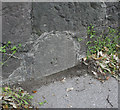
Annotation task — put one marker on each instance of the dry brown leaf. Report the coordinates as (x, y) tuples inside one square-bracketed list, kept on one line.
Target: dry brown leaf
[(107, 78), (22, 91), (34, 91), (98, 58), (85, 58), (26, 106), (5, 106)]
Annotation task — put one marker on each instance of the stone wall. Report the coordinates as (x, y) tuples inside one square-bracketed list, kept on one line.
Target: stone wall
[(49, 35), (67, 16)]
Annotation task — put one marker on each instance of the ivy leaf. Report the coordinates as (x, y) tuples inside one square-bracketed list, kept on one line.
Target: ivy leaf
[(14, 52), (88, 42), (91, 36), (9, 42), (80, 39), (20, 45), (3, 50), (41, 103), (14, 48), (31, 97), (26, 102)]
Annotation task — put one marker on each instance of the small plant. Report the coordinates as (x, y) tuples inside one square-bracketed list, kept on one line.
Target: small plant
[(80, 39), (105, 50), (9, 50), (15, 98), (41, 103), (107, 43)]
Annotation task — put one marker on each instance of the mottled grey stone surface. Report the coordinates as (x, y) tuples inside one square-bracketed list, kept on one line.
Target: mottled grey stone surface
[(67, 16), (16, 27), (16, 22), (0, 39), (55, 52), (113, 13)]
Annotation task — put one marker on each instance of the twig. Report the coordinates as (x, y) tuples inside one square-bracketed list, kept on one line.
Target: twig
[(13, 56)]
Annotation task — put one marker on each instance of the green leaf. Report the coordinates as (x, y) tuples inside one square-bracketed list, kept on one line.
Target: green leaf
[(91, 36), (88, 42), (9, 42), (3, 47), (79, 39), (20, 45), (45, 101), (92, 27), (88, 53), (14, 52), (41, 103), (3, 50), (26, 102), (31, 97), (14, 48)]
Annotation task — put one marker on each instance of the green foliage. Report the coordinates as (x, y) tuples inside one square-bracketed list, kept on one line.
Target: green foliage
[(104, 49), (9, 49), (14, 48), (98, 43), (41, 103), (80, 39)]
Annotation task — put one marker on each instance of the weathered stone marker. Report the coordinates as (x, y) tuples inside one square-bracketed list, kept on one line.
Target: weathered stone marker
[(56, 52)]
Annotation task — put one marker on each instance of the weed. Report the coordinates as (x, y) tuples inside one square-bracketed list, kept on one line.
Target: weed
[(41, 103), (8, 48), (105, 50), (103, 43)]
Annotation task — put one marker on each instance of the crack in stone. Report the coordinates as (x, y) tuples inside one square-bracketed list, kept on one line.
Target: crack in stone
[(109, 101)]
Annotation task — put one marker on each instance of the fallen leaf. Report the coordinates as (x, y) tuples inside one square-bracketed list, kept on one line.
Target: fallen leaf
[(85, 58), (85, 63), (22, 91), (1, 97), (13, 104), (69, 89), (34, 91), (26, 106), (101, 64), (5, 106), (99, 58), (100, 69), (106, 49), (95, 73), (107, 78), (63, 80), (117, 46)]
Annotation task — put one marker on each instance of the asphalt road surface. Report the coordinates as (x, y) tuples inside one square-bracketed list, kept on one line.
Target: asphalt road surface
[(78, 92)]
